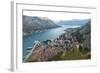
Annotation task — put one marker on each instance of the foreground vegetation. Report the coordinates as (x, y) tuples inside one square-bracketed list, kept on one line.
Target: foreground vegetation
[(74, 54)]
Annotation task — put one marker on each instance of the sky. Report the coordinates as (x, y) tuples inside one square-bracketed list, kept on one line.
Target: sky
[(56, 16)]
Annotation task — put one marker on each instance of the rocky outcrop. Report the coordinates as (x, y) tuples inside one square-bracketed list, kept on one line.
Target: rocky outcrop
[(43, 53)]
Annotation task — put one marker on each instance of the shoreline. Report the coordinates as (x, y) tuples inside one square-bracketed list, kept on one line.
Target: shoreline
[(27, 34)]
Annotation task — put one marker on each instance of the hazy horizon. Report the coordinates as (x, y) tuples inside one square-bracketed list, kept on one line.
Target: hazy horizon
[(58, 16)]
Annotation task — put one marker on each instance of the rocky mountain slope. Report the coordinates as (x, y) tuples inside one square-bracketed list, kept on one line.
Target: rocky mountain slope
[(75, 44), (31, 24), (83, 34)]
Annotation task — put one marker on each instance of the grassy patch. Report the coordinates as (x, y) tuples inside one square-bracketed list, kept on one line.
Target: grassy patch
[(74, 54)]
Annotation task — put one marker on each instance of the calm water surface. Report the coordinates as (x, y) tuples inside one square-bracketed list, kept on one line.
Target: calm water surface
[(42, 36)]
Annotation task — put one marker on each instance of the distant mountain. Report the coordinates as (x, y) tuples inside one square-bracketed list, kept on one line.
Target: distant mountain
[(31, 24), (74, 22)]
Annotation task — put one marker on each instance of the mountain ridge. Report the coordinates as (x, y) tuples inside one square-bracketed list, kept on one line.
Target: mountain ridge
[(34, 23), (74, 22)]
